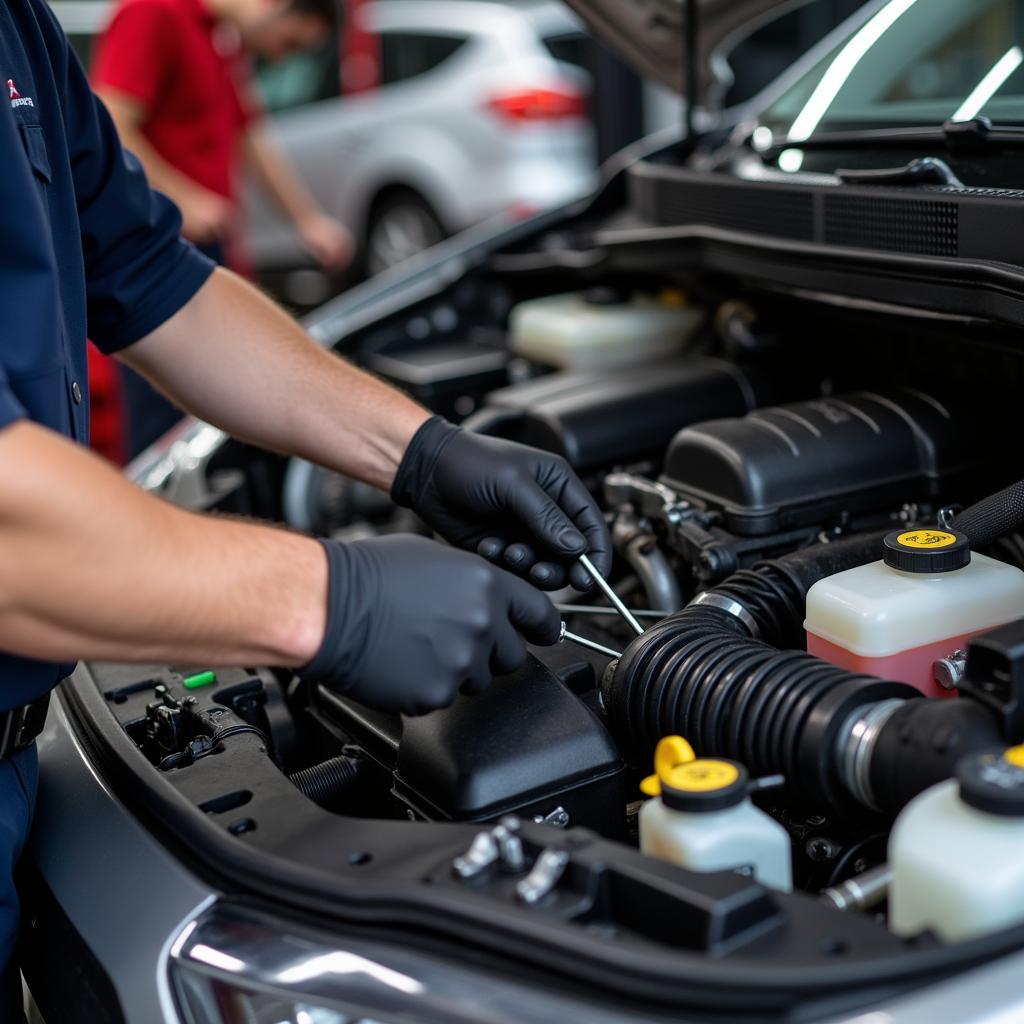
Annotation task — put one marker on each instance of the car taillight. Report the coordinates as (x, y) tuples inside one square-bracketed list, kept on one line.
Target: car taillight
[(539, 104)]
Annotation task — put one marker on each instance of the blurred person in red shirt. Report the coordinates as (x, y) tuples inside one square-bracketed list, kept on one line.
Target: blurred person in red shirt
[(175, 76)]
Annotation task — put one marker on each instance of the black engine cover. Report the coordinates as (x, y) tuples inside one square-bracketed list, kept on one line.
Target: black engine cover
[(798, 465)]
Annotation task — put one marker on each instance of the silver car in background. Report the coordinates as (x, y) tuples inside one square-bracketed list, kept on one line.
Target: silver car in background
[(481, 111)]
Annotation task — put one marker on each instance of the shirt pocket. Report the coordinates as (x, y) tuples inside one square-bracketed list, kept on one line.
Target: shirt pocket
[(34, 141)]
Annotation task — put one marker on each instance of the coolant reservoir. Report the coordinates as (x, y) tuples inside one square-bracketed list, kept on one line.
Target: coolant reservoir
[(955, 852), (701, 817), (600, 328), (898, 617)]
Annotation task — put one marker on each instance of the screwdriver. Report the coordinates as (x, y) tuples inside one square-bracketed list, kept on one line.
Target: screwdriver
[(591, 645), (616, 601)]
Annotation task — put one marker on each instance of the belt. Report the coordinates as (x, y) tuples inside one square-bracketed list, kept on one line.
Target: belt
[(19, 727)]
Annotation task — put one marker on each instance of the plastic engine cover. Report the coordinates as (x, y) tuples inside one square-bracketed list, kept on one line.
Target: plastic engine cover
[(796, 465), (526, 744), (602, 418)]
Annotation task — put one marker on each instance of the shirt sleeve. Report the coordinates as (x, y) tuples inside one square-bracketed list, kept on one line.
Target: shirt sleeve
[(134, 55), (139, 271)]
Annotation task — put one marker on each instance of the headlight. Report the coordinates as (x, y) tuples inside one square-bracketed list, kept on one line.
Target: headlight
[(236, 966)]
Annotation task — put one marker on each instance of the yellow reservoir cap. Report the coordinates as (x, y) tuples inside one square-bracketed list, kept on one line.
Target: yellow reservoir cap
[(677, 767), (671, 753), (704, 775), (926, 540), (1015, 756)]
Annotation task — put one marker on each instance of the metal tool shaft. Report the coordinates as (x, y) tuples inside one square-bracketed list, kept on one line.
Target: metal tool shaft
[(592, 645), (606, 589), (600, 609)]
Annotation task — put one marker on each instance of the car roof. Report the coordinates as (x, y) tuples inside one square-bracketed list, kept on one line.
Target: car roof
[(484, 17)]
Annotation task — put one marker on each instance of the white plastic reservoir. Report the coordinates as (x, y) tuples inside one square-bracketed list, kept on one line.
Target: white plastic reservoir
[(896, 618), (955, 853), (600, 328), (700, 816)]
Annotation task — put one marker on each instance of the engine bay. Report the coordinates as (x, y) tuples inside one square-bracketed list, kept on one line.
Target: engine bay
[(771, 449)]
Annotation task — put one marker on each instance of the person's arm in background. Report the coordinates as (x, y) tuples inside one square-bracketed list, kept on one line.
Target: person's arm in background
[(134, 65), (326, 240), (206, 216)]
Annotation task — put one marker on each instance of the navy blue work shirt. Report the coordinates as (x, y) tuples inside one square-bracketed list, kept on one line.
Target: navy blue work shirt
[(86, 250)]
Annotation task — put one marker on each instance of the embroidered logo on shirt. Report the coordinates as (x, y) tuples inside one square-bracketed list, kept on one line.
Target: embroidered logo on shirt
[(17, 100)]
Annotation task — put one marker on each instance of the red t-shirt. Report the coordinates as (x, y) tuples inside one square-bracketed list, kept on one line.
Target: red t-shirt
[(193, 78)]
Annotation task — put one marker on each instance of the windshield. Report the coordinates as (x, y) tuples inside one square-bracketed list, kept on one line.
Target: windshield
[(913, 63)]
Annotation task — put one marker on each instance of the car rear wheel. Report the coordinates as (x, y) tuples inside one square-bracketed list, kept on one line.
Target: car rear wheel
[(401, 225)]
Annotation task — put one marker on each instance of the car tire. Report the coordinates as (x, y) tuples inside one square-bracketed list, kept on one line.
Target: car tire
[(401, 224)]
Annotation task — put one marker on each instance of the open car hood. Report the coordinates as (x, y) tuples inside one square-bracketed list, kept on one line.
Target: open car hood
[(651, 36)]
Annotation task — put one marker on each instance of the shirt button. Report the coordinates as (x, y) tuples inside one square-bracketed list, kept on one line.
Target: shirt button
[(76, 392)]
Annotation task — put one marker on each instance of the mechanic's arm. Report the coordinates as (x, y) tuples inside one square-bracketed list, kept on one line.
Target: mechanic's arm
[(92, 567), (206, 216), (234, 358), (327, 241)]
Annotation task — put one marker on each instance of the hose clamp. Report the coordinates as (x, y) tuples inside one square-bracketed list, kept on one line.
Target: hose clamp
[(856, 744), (709, 599)]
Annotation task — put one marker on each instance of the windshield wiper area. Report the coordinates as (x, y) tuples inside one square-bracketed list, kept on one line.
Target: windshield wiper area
[(955, 136), (927, 170)]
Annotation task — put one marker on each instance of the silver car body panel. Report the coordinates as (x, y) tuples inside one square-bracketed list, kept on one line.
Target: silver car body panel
[(139, 908), (434, 134)]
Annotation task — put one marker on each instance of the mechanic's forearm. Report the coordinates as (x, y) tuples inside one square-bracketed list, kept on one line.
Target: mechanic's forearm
[(92, 567), (234, 358), (277, 176)]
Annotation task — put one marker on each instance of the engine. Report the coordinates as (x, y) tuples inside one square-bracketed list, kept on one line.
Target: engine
[(830, 585)]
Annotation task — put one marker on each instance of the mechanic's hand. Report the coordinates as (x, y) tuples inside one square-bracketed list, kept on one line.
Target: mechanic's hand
[(411, 622), (206, 216), (329, 242), (518, 506)]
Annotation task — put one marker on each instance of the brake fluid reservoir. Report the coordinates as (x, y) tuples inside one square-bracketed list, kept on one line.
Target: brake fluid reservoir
[(955, 852), (600, 327), (701, 817), (898, 617)]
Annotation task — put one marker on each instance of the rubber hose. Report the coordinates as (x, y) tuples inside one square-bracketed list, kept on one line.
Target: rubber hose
[(778, 712), (774, 592), (327, 782), (993, 517)]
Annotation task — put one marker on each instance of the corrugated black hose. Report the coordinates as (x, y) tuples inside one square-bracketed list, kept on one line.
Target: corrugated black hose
[(328, 782), (701, 674), (993, 517)]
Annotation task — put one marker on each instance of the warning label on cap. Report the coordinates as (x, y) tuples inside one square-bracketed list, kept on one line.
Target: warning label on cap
[(926, 539)]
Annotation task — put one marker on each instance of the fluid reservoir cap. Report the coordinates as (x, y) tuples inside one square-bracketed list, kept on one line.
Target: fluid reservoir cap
[(993, 782), (926, 551), (689, 783)]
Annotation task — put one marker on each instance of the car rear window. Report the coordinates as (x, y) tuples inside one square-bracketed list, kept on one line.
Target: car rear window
[(569, 48), (406, 55)]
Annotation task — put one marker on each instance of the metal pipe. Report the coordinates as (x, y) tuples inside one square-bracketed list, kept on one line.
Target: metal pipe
[(861, 892)]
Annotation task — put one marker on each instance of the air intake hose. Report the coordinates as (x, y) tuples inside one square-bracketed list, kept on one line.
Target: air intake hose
[(993, 517), (714, 673), (698, 674)]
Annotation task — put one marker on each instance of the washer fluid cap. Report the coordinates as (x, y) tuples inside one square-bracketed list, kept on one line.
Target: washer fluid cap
[(994, 783), (926, 551), (694, 784)]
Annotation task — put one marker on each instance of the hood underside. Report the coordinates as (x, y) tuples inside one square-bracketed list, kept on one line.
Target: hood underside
[(651, 35)]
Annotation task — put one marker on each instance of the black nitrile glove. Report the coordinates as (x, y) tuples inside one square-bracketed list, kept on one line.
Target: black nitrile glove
[(500, 499), (411, 622)]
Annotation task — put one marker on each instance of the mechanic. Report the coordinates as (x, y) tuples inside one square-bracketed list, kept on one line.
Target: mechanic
[(92, 567), (175, 76)]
